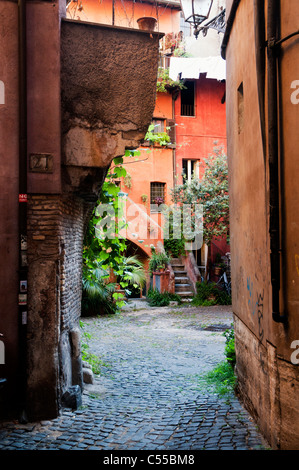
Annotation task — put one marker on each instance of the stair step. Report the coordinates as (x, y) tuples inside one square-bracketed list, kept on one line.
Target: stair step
[(175, 261), (179, 271), (185, 294), (182, 280), (182, 287)]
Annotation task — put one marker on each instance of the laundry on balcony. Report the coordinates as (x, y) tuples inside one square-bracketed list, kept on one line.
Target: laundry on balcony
[(192, 67)]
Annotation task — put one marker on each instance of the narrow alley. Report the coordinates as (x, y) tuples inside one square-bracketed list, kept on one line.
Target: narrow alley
[(150, 393)]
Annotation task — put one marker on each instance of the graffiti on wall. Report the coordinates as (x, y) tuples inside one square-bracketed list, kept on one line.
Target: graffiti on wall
[(256, 305)]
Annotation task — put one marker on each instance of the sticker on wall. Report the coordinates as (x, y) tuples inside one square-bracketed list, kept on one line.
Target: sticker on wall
[(24, 261), (24, 318), (23, 286), (23, 242), (22, 197), (2, 93), (22, 299)]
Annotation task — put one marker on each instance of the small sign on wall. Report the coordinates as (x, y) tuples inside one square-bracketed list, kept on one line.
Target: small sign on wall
[(2, 93), (41, 163)]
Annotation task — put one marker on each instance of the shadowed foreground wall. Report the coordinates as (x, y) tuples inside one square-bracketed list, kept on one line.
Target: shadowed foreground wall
[(267, 374)]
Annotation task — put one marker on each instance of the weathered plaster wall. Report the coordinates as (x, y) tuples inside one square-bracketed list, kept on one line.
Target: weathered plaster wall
[(108, 91), (9, 170), (268, 380)]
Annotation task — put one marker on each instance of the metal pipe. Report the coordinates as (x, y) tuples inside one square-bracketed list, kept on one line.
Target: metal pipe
[(273, 16)]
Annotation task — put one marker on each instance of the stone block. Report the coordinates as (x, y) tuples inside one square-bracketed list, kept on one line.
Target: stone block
[(72, 398)]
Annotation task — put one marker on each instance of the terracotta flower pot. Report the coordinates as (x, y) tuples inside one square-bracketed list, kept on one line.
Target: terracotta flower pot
[(217, 271), (147, 23)]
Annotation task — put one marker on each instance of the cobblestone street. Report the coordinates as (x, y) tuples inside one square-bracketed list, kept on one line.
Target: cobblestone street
[(148, 395)]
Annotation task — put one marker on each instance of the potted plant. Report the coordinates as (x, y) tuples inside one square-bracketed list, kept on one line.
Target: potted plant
[(217, 267), (158, 262), (147, 23)]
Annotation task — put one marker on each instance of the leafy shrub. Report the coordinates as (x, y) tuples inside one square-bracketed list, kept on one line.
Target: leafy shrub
[(97, 294), (209, 294), (222, 377), (161, 299), (230, 347)]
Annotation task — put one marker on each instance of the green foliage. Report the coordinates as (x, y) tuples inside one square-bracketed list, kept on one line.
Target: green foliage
[(158, 261), (132, 275), (230, 347), (104, 248), (212, 193), (161, 299), (97, 294), (223, 377), (174, 245), (92, 359), (160, 138), (207, 293), (165, 83)]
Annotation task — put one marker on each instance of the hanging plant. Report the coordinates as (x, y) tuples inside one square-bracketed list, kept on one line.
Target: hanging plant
[(165, 83)]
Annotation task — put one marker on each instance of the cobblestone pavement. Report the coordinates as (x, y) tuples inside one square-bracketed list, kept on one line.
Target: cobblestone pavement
[(148, 395)]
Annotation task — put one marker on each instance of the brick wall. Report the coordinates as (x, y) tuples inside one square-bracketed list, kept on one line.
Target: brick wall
[(55, 240)]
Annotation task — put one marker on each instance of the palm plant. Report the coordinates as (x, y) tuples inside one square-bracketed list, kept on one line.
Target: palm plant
[(133, 274), (96, 291)]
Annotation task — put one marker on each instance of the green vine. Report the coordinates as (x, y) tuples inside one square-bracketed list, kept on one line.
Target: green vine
[(156, 138)]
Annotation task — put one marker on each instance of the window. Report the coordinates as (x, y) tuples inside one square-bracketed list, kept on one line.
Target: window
[(185, 27), (187, 99), (190, 168), (157, 196), (240, 108), (159, 126)]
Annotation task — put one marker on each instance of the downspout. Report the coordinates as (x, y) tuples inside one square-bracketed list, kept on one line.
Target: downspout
[(22, 309), (273, 21), (174, 97)]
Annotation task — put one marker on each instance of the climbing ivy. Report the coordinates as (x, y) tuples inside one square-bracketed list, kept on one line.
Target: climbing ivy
[(104, 247)]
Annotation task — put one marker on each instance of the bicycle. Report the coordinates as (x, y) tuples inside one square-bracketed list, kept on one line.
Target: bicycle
[(224, 284)]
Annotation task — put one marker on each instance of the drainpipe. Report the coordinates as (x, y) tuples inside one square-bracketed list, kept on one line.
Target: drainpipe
[(174, 97), (273, 21), (22, 309)]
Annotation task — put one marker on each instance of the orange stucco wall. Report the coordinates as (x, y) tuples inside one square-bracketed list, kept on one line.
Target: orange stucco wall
[(154, 164), (196, 135), (126, 13)]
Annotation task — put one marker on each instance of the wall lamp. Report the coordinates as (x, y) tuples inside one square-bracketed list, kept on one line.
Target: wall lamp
[(195, 12)]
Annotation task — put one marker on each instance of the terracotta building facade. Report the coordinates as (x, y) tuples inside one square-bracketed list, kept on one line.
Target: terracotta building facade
[(261, 50)]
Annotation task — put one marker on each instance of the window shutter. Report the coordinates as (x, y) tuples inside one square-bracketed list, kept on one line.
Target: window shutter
[(170, 124)]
